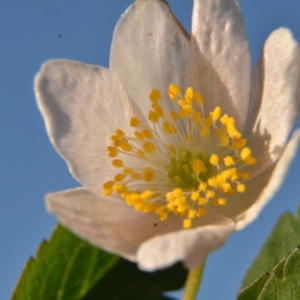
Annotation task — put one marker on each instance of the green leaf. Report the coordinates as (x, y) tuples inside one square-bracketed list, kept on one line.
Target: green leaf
[(125, 281), (66, 267), (283, 283), (284, 238)]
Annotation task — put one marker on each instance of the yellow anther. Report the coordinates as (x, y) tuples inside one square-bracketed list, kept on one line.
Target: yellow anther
[(108, 184), (136, 176), (187, 223), (230, 122), (155, 95), (147, 134), (200, 212), (237, 135), (172, 149), (228, 161), (196, 116), (134, 122), (170, 196), (107, 192), (212, 182), (226, 187), (194, 196), (210, 193), (117, 163), (246, 152), (171, 206), (198, 98), (219, 202), (220, 179), (139, 207), (224, 119), (190, 92), (148, 147), (202, 186), (166, 127), (120, 133), (182, 102), (186, 110), (126, 147), (216, 114), (146, 195), (118, 143), (204, 132), (202, 201), (120, 177), (174, 116), (187, 99), (112, 151), (180, 200), (140, 153), (139, 135), (175, 89), (217, 132), (120, 188), (158, 110), (250, 160), (151, 207), (207, 122), (128, 171), (148, 174), (177, 192), (192, 214), (214, 159), (152, 116), (224, 140), (172, 96), (245, 175), (240, 188), (239, 144), (198, 166)]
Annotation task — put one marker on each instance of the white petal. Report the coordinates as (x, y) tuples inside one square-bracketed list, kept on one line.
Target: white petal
[(149, 50), (273, 177), (82, 106), (274, 97), (190, 246), (106, 222), (219, 61)]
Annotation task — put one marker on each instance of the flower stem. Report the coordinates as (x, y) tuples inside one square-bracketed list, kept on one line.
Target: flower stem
[(193, 282)]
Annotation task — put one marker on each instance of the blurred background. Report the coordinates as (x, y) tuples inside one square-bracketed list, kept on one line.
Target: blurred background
[(32, 32)]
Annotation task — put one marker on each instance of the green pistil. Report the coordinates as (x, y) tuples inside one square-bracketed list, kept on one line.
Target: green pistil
[(181, 172)]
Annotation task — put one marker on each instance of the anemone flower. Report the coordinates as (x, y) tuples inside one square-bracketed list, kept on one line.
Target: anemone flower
[(176, 144)]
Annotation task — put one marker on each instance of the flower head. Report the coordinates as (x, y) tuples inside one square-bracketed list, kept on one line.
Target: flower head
[(176, 144)]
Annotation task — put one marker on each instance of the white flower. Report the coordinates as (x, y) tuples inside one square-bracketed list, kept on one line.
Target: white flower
[(176, 144)]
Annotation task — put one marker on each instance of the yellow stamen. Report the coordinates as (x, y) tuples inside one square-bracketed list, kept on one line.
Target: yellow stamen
[(214, 159), (117, 163), (246, 152), (228, 161), (147, 134), (186, 158), (216, 114), (134, 122), (153, 117), (148, 174), (148, 147), (187, 223), (219, 202), (155, 96)]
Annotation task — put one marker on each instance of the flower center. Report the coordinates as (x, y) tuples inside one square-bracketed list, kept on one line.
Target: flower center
[(185, 160)]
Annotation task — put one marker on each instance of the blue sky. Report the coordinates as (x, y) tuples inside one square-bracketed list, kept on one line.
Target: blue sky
[(34, 31)]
